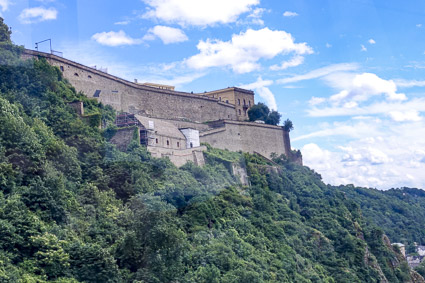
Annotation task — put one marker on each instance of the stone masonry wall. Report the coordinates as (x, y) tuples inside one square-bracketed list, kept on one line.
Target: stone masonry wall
[(247, 137), (134, 98)]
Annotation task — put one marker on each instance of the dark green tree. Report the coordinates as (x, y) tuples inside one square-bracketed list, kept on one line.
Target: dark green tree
[(273, 118), (4, 32), (287, 125), (259, 111)]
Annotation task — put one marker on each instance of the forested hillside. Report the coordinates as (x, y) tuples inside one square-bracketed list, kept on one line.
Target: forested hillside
[(75, 209)]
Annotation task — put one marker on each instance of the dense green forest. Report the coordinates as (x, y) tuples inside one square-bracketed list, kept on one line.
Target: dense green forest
[(75, 209)]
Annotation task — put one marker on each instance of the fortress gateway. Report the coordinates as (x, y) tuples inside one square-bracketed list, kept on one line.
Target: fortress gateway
[(174, 124)]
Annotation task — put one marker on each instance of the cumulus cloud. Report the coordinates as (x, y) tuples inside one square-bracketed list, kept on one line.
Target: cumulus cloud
[(4, 4), (382, 107), (363, 48), (255, 16), (295, 61), (261, 87), (198, 13), (363, 86), (166, 34), (372, 41), (390, 156), (290, 14), (37, 14), (113, 38), (406, 116), (244, 50)]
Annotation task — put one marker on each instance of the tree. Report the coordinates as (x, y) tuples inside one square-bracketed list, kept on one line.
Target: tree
[(288, 126), (273, 118), (261, 112), (4, 32)]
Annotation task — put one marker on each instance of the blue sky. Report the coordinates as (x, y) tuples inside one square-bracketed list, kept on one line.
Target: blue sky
[(348, 73)]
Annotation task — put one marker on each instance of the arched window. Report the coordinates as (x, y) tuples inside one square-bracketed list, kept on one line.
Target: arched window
[(76, 74), (156, 140), (168, 142), (239, 101), (244, 102)]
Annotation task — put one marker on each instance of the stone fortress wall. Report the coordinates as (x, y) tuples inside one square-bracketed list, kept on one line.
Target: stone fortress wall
[(218, 115), (135, 98)]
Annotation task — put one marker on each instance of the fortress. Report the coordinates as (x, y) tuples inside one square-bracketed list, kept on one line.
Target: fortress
[(173, 124)]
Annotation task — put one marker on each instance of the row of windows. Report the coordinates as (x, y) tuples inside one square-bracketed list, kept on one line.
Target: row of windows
[(244, 102)]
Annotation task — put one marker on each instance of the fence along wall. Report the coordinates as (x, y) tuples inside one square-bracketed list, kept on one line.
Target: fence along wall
[(130, 97)]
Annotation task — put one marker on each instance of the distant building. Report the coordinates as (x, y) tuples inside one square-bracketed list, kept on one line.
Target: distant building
[(414, 260), (420, 250)]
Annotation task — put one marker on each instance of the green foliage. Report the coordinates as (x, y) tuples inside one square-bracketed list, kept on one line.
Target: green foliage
[(261, 112), (287, 125), (75, 209), (4, 32)]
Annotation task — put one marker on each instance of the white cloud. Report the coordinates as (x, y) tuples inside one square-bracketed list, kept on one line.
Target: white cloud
[(419, 25), (409, 83), (122, 23), (113, 38), (166, 34), (260, 86), (244, 50), (328, 45), (363, 86), (406, 116), (256, 15), (363, 48), (316, 100), (372, 109), (290, 14), (37, 14), (4, 4), (372, 41), (295, 61), (321, 72), (198, 13), (389, 156)]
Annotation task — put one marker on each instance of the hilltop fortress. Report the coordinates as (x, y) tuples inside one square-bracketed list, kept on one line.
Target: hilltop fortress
[(174, 124)]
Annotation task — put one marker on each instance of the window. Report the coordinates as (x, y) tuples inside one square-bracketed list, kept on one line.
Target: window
[(249, 103), (178, 144), (220, 98), (76, 74), (227, 101), (244, 102), (168, 142), (61, 67), (239, 112), (89, 76), (239, 101), (191, 145), (156, 140)]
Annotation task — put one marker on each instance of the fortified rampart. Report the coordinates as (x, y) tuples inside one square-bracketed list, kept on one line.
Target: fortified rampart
[(135, 98), (170, 123), (246, 136)]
